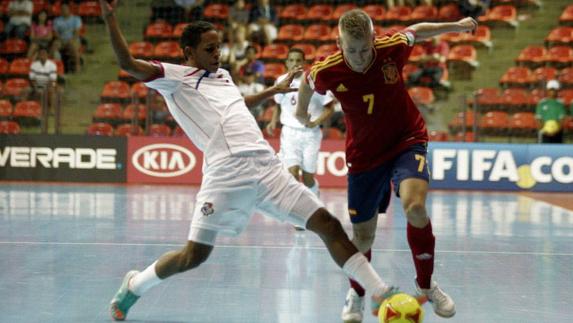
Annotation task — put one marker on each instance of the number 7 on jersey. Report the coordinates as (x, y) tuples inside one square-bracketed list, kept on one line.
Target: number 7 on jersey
[(369, 98)]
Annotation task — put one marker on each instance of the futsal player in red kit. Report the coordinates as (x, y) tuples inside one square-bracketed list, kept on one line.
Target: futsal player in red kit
[(386, 140)]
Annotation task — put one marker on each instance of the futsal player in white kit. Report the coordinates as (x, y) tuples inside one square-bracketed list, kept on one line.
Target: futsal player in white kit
[(300, 144), (241, 173)]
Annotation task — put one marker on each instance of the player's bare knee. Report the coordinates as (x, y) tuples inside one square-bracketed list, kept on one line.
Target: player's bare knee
[(363, 240), (415, 211), (190, 258), (325, 225)]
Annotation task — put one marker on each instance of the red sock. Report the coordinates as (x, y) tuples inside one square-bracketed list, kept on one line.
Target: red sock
[(422, 243), (354, 284)]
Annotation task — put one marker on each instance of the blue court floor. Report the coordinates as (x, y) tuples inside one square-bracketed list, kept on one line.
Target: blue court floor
[(65, 248)]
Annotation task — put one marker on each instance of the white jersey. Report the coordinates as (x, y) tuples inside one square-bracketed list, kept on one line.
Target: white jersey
[(210, 110), (288, 102)]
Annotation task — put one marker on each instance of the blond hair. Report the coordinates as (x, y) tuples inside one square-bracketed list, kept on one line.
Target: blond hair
[(356, 23)]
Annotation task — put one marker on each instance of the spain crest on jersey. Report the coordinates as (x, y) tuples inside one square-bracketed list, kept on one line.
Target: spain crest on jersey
[(390, 73)]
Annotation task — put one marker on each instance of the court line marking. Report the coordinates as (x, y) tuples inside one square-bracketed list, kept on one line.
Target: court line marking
[(129, 244)]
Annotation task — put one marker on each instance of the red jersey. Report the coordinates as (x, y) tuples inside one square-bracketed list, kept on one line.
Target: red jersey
[(381, 118)]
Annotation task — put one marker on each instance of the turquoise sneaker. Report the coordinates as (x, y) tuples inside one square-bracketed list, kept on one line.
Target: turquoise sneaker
[(123, 299)]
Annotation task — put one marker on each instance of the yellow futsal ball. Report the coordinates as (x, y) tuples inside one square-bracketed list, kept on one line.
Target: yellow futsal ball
[(550, 127), (401, 308)]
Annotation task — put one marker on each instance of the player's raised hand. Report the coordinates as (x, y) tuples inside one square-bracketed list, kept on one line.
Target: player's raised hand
[(284, 85), (107, 7), (467, 24)]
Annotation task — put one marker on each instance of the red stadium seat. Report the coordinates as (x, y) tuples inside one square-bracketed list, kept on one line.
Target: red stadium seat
[(325, 50), (409, 69), (15, 88), (422, 95), (293, 12), (178, 132), (449, 12), (126, 77), (317, 33), (178, 30), (543, 74), (115, 92), (20, 67), (424, 13), (341, 9), (559, 56), (523, 124), (138, 111), (9, 128), (332, 133), (13, 48), (5, 110), (517, 77), (159, 130), (467, 137), (416, 54), (487, 99), (168, 51), (566, 77), (59, 67), (109, 113), (142, 49), (494, 123), (308, 49), (516, 99), (435, 135), (568, 124), (159, 30), (320, 12), (532, 56), (290, 33), (100, 129), (28, 113), (4, 66), (398, 14), (506, 15), (38, 6), (275, 52), (463, 53), (273, 71), (139, 91), (560, 36), (567, 96), (567, 15), (376, 12), (128, 130), (462, 119), (89, 9), (216, 11)]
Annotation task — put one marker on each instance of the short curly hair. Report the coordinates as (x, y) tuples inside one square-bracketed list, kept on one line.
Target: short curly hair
[(356, 23)]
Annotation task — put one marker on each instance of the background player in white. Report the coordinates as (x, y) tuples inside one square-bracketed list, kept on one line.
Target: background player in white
[(300, 143), (241, 172)]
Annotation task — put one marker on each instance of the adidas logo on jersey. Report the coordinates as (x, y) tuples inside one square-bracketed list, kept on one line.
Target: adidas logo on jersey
[(341, 88)]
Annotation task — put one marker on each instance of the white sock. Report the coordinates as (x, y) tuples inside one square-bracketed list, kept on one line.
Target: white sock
[(314, 188), (358, 268), (143, 281)]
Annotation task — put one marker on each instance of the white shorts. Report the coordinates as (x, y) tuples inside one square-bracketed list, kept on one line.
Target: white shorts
[(234, 188), (300, 147)]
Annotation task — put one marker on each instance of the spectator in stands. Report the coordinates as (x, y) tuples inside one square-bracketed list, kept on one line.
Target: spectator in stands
[(249, 86), (250, 64), (67, 37), (193, 8), (236, 49), (43, 76), (41, 35), (238, 15), (411, 3), (20, 13), (473, 8), (263, 22), (551, 113), (433, 64)]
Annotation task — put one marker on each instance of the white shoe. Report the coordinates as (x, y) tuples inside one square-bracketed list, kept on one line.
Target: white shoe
[(443, 304), (353, 309)]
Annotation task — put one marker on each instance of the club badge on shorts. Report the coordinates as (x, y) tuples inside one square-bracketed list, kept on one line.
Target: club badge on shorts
[(207, 209)]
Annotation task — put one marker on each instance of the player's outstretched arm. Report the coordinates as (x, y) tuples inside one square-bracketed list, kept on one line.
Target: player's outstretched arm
[(281, 87), (139, 69), (304, 94), (426, 30), (325, 115)]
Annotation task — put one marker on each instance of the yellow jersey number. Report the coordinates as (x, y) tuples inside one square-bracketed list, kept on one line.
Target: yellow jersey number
[(369, 98)]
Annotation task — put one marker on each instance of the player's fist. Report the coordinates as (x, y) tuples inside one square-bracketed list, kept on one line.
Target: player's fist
[(467, 24)]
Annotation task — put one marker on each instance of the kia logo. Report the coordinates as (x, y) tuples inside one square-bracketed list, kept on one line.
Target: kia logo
[(163, 160)]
